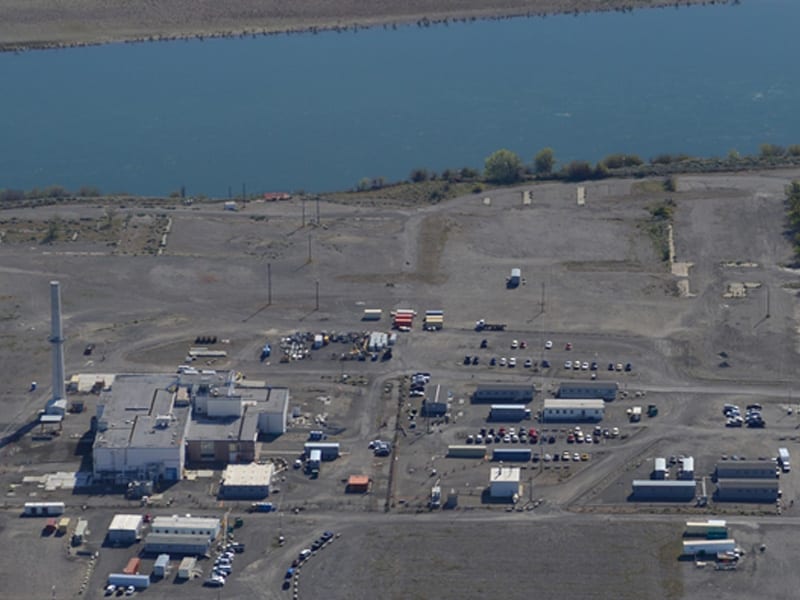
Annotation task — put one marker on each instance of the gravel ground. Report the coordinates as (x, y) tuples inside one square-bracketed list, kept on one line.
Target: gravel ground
[(51, 23)]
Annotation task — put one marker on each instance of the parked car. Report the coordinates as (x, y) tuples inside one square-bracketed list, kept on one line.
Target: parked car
[(514, 344), (512, 362), (548, 345), (493, 361), (568, 346), (475, 360), (628, 367), (593, 366), (545, 364), (528, 363), (502, 361), (567, 364)]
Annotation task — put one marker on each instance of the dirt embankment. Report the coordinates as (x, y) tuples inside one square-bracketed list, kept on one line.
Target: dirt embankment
[(26, 24)]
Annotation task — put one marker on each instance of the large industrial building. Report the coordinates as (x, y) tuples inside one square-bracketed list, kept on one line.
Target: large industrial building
[(246, 481), (149, 427), (141, 430), (747, 490), (503, 393), (607, 390), (228, 421), (556, 409)]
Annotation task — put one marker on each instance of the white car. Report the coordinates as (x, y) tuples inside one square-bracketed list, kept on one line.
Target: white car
[(528, 363), (567, 364), (615, 432), (512, 362), (514, 344), (110, 589), (585, 366), (502, 361), (130, 590), (548, 345), (576, 365)]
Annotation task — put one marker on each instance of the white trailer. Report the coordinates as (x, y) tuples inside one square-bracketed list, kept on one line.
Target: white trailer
[(508, 412), (43, 509), (695, 547), (784, 460)]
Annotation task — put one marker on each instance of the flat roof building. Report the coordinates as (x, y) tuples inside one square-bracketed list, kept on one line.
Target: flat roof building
[(747, 490), (556, 409), (228, 420), (607, 390), (140, 431), (503, 393), (663, 490), (125, 529), (250, 481), (504, 482), (746, 469), (207, 527)]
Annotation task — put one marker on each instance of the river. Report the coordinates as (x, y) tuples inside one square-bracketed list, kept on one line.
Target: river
[(320, 112)]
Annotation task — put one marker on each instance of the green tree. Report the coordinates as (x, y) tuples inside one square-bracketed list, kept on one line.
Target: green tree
[(771, 150), (419, 175), (544, 161), (578, 170), (503, 166)]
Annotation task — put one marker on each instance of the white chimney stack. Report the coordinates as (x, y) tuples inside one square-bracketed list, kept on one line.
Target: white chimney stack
[(57, 340)]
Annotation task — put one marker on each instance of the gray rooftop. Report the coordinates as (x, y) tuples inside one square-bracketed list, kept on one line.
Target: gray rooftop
[(222, 428), (729, 482), (130, 410)]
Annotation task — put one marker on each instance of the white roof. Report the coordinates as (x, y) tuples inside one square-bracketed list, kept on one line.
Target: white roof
[(504, 474), (126, 522), (249, 475), (579, 403), (179, 521)]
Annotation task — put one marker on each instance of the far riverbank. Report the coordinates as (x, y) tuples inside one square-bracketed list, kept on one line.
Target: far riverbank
[(43, 24)]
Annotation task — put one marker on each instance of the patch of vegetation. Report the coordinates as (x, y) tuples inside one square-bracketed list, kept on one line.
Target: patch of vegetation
[(793, 216), (661, 215)]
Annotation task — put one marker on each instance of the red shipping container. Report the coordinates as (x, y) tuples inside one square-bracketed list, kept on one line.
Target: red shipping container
[(132, 568)]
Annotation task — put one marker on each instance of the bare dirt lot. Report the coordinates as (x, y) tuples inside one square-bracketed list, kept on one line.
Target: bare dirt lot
[(142, 282), (47, 23)]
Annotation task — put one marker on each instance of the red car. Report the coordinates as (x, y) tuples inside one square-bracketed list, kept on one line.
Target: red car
[(568, 346), (501, 432), (532, 432)]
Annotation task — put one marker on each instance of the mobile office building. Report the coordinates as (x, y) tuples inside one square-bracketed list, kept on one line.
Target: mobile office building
[(43, 509), (466, 451), (607, 390), (511, 454), (509, 412), (695, 547), (515, 278), (711, 529)]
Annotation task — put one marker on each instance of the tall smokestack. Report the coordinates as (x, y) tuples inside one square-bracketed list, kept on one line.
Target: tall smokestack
[(57, 339)]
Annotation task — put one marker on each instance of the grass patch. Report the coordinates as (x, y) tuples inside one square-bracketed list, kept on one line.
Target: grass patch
[(422, 192)]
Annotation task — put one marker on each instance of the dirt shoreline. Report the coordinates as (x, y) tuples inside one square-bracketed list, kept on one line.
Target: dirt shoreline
[(48, 24)]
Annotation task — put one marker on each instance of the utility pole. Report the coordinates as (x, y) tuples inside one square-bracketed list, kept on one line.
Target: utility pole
[(768, 303), (317, 294), (542, 297), (303, 203), (317, 211), (309, 247), (269, 284)]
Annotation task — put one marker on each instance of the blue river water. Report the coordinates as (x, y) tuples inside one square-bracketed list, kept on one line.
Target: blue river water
[(320, 112)]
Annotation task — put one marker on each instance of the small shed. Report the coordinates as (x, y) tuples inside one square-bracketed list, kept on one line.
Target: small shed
[(187, 567), (161, 566), (660, 468)]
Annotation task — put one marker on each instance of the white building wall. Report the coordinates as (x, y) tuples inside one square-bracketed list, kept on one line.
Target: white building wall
[(224, 407), (504, 489)]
